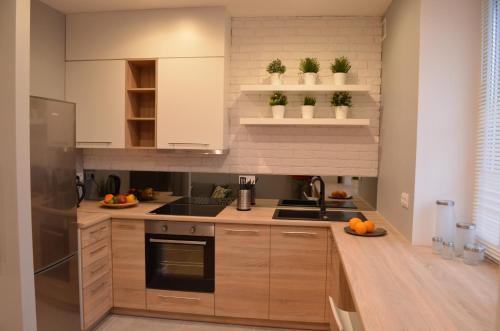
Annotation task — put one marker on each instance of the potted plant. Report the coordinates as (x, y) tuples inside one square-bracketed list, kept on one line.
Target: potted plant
[(340, 69), (308, 107), (341, 101), (276, 69), (309, 67), (278, 101)]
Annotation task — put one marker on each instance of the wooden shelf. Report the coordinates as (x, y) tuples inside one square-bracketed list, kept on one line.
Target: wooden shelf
[(304, 88), (304, 121), (140, 104), (141, 90), (141, 119)]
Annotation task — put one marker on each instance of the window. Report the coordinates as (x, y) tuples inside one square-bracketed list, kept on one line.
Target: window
[(487, 185)]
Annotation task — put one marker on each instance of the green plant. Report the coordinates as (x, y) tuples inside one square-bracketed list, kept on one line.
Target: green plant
[(341, 99), (341, 65), (309, 64), (276, 67), (278, 99), (309, 101)]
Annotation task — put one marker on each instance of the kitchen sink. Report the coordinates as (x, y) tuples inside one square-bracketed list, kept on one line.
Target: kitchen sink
[(314, 203), (315, 215)]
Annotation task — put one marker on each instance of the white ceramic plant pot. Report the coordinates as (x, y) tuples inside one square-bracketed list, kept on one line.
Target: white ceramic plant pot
[(276, 78), (339, 78), (307, 111), (310, 78), (341, 112), (278, 111)]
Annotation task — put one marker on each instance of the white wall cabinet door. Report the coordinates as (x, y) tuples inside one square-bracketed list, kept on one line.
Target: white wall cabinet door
[(191, 110), (98, 88)]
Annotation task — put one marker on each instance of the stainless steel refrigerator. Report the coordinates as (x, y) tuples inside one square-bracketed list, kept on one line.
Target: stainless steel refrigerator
[(54, 223)]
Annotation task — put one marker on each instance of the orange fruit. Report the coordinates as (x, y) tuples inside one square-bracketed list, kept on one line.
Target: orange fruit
[(353, 222), (130, 198), (360, 228), (370, 226), (108, 198)]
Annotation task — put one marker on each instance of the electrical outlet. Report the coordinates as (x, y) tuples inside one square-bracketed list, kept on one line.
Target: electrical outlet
[(404, 200)]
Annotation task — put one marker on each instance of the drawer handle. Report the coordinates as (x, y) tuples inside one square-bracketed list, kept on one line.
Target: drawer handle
[(98, 230), (96, 270), (299, 233), (241, 231), (98, 287), (178, 298), (181, 242), (126, 226), (98, 250)]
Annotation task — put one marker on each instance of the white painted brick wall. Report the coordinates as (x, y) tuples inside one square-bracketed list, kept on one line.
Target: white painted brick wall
[(285, 150)]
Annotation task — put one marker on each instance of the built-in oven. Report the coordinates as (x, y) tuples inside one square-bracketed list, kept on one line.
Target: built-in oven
[(180, 256)]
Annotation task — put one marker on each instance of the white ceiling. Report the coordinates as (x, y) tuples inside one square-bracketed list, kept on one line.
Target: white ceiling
[(236, 7)]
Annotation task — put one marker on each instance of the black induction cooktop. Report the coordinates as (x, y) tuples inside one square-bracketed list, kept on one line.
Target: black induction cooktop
[(193, 206)]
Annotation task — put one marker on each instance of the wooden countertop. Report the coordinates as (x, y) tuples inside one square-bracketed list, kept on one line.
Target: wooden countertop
[(87, 219), (395, 286)]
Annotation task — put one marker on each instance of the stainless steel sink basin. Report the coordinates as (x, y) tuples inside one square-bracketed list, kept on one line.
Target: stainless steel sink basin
[(313, 203), (315, 215)]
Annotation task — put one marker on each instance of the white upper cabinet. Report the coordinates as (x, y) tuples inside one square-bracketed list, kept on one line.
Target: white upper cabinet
[(191, 111), (98, 89), (158, 33)]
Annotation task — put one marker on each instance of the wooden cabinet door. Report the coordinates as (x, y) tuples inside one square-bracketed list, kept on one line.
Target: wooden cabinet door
[(98, 89), (191, 112), (129, 273), (298, 273), (242, 270)]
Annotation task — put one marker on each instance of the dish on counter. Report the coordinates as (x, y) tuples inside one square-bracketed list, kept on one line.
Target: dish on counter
[(378, 232), (339, 195), (119, 201)]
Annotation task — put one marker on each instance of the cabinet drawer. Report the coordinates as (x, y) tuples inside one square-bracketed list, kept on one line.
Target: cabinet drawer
[(96, 270), (95, 252), (95, 233), (97, 300), (180, 302)]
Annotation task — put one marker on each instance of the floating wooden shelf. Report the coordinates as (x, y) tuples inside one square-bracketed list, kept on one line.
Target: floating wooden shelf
[(304, 88), (304, 121), (141, 90), (140, 104), (141, 119)]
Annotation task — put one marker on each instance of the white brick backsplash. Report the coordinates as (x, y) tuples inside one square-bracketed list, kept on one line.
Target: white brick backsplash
[(285, 150)]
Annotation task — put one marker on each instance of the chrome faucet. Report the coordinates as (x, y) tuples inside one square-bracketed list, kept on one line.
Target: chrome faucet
[(321, 200)]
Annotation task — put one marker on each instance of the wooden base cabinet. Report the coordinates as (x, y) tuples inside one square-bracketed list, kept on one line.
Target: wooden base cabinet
[(242, 254), (298, 273), (129, 276), (95, 273)]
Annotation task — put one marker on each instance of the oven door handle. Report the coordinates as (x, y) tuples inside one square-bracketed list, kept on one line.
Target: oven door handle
[(185, 242)]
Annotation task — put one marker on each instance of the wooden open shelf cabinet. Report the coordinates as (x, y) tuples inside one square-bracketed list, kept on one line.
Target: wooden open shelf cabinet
[(140, 103)]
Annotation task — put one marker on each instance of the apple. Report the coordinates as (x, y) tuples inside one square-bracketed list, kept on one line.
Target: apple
[(122, 198)]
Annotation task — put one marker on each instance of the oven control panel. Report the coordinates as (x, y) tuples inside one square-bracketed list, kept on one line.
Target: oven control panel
[(180, 228)]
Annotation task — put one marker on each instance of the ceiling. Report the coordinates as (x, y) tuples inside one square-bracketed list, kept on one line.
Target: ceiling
[(236, 7)]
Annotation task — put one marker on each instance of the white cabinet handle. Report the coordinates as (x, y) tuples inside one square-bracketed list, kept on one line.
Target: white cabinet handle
[(241, 231), (178, 298), (177, 143), (94, 142), (299, 233)]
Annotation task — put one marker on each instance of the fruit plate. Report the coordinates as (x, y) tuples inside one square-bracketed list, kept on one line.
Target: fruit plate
[(377, 233), (118, 205), (346, 198)]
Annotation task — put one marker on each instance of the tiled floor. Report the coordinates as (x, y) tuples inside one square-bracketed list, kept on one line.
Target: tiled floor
[(129, 323)]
